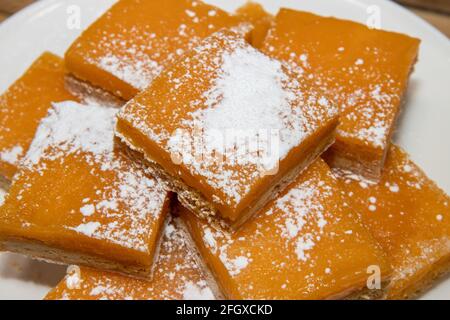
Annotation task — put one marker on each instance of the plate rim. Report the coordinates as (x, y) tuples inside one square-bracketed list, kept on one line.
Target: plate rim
[(37, 6)]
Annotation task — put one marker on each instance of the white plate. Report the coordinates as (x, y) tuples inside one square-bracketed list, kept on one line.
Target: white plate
[(424, 129)]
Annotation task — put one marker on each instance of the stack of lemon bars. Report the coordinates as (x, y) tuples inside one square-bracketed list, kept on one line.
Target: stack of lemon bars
[(182, 152)]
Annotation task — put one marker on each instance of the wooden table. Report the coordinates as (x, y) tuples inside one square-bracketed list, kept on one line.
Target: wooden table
[(3, 16), (436, 12)]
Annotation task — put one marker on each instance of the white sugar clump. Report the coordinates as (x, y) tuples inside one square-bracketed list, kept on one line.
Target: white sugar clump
[(12, 156), (240, 263), (234, 264), (394, 188), (375, 135), (250, 94), (208, 238), (197, 291), (100, 290), (304, 244), (2, 196), (87, 210), (87, 229)]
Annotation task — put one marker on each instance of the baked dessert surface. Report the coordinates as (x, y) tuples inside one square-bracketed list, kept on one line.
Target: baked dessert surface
[(363, 71), (79, 199), (193, 118), (409, 216), (261, 20), (133, 41), (24, 104), (177, 276), (306, 244)]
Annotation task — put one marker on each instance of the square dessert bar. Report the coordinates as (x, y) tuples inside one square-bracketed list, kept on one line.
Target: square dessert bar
[(79, 199), (177, 276), (306, 244), (134, 40), (409, 216), (363, 71), (24, 104), (227, 127)]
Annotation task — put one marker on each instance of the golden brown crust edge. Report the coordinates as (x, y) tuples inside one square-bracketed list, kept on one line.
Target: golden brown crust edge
[(206, 271), (369, 294), (338, 157), (4, 183), (40, 251), (418, 288), (88, 93), (194, 200)]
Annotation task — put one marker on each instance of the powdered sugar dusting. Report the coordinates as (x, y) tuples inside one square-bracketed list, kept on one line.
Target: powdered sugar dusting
[(197, 291), (73, 128), (177, 276), (135, 50), (87, 210), (212, 239), (208, 238), (125, 201), (234, 266), (428, 253), (88, 229), (2, 196), (138, 71), (302, 201), (367, 111), (252, 92), (359, 76)]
